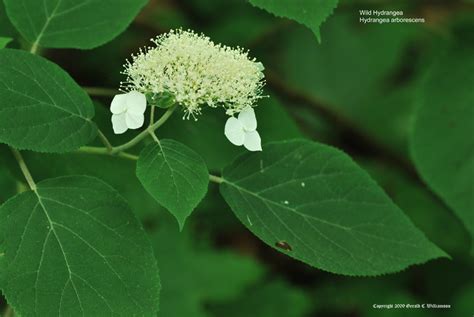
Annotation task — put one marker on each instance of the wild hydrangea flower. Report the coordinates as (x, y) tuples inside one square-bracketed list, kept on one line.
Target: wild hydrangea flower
[(243, 130), (128, 111), (196, 72)]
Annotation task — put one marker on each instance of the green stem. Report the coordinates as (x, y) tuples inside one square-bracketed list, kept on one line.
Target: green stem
[(152, 115), (34, 48), (144, 133), (24, 169), (104, 140), (104, 151), (216, 179), (128, 156), (153, 135), (119, 150), (101, 92)]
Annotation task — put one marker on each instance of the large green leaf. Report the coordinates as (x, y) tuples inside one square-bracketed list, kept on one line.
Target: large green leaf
[(42, 108), (72, 24), (314, 203), (73, 247), (442, 142), (174, 175), (308, 12), (6, 28)]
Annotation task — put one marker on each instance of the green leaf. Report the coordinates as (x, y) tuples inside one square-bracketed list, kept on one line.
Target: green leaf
[(314, 203), (307, 12), (193, 274), (4, 41), (42, 108), (6, 28), (73, 247), (174, 175), (442, 144), (72, 24)]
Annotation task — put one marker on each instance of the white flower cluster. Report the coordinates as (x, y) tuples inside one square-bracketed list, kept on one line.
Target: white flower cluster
[(196, 72)]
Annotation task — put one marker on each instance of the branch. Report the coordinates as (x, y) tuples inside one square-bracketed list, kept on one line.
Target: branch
[(119, 150), (104, 151), (101, 92)]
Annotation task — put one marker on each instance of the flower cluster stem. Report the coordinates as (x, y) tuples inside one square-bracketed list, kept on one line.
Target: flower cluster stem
[(144, 133), (152, 114)]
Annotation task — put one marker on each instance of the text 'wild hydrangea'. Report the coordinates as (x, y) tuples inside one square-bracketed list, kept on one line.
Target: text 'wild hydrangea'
[(196, 72)]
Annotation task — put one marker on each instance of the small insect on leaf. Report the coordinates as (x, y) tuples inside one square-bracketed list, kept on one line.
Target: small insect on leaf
[(283, 245)]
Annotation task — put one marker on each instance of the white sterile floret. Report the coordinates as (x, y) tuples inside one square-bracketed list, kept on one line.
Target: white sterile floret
[(128, 111), (243, 130), (196, 72)]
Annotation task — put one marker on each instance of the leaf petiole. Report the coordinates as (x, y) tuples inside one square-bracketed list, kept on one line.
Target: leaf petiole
[(104, 140), (216, 179), (24, 168)]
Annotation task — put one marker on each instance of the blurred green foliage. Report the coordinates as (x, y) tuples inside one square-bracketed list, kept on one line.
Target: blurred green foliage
[(361, 78)]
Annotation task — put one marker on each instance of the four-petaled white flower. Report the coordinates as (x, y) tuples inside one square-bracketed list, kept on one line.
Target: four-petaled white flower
[(243, 130), (128, 111)]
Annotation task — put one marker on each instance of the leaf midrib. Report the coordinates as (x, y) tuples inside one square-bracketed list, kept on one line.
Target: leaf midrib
[(40, 102), (48, 21), (52, 229), (52, 225), (305, 217)]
